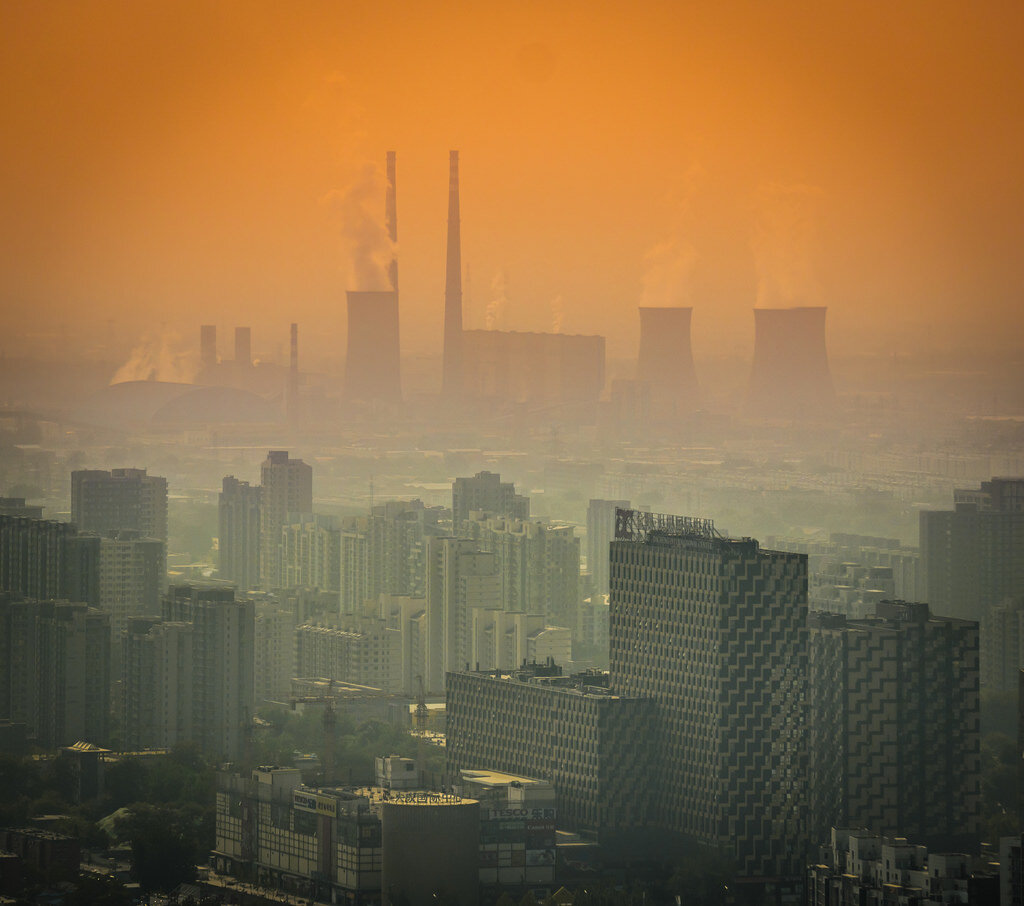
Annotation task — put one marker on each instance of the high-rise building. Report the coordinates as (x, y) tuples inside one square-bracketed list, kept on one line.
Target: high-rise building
[(487, 493), (460, 578), (104, 502), (131, 577), (361, 650), (1001, 646), (157, 676), (239, 539), (589, 743), (55, 670), (287, 488), (274, 651), (222, 662), (972, 557), (408, 616), (311, 553), (539, 564), (711, 631), (44, 560), (894, 724), (600, 531), (385, 552)]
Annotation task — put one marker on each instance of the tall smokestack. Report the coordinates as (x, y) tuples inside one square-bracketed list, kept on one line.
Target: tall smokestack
[(790, 376), (665, 360), (243, 346), (451, 378), (292, 390), (391, 218), (208, 345), (372, 364)]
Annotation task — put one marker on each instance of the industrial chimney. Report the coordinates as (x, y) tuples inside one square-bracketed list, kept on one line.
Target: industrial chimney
[(451, 376), (391, 218), (243, 346), (372, 364), (291, 401), (790, 377), (665, 361), (208, 345)]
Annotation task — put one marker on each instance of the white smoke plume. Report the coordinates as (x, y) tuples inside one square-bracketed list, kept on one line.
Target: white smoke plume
[(557, 314), (783, 242), (494, 315), (159, 358), (667, 270), (668, 266), (364, 236)]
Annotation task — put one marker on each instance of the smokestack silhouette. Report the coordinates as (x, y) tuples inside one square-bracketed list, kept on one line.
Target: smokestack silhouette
[(208, 345), (372, 364), (391, 218), (451, 377), (665, 360), (790, 377), (243, 346), (292, 389)]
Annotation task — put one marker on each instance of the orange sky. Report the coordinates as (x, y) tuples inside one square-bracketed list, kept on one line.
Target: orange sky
[(167, 163)]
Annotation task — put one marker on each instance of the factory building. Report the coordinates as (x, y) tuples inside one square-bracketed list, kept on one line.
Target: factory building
[(507, 366)]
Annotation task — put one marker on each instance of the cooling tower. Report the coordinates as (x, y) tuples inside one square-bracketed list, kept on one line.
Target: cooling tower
[(372, 369), (208, 345), (665, 360), (243, 346), (790, 377)]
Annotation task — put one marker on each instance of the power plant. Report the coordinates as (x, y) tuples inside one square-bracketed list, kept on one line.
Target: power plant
[(790, 376), (665, 360)]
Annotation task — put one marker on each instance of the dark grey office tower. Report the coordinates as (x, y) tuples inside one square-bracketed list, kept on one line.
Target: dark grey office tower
[(487, 493), (222, 664), (55, 670), (44, 560), (893, 714), (239, 539), (972, 557), (712, 631), (600, 531), (287, 488), (451, 380)]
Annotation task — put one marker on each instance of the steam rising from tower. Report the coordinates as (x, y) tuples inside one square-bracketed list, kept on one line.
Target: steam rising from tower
[(790, 376), (665, 361), (451, 379), (373, 363)]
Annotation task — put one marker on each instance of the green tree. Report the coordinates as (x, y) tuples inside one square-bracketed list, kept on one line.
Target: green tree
[(165, 845)]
